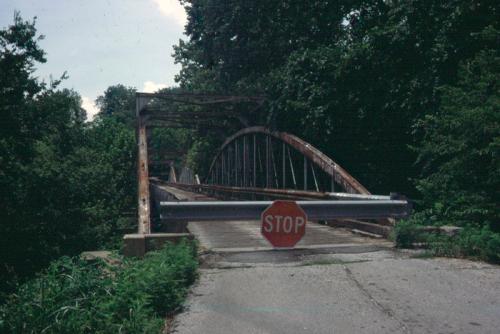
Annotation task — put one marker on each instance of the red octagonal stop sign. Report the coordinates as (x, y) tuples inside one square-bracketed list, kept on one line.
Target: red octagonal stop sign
[(283, 223)]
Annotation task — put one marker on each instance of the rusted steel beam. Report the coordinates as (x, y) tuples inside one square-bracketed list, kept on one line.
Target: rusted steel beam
[(172, 120), (167, 113), (201, 99), (144, 208), (182, 125), (330, 167), (185, 119), (271, 192)]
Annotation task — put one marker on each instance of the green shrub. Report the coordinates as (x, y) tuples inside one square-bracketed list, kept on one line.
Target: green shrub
[(406, 233), (75, 296), (471, 241), (162, 280)]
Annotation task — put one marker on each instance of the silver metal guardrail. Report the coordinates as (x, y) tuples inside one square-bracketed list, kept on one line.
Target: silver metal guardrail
[(315, 210)]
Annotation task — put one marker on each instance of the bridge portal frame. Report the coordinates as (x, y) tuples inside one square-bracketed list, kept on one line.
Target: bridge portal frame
[(148, 116)]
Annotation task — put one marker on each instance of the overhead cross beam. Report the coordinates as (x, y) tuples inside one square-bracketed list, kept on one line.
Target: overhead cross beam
[(201, 99)]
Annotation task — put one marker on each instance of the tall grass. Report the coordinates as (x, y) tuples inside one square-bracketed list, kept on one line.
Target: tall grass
[(77, 296)]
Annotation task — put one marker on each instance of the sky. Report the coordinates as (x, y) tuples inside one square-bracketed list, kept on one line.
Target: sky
[(100, 43)]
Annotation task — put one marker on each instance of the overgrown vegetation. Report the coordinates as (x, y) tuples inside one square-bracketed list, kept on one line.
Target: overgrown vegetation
[(461, 165), (403, 94), (76, 296), (470, 242), (66, 185)]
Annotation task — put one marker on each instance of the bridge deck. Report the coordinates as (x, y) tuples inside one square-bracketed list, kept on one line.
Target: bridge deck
[(245, 235)]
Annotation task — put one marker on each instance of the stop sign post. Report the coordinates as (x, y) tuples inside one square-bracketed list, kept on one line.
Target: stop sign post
[(283, 224)]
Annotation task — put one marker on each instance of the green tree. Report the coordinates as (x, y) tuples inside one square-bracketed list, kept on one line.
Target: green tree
[(460, 151), (351, 77), (66, 185), (118, 101)]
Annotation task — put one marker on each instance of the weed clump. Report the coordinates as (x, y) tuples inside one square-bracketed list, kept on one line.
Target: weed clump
[(470, 242), (77, 296)]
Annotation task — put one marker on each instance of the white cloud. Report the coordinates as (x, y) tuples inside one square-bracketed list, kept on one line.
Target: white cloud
[(90, 107), (152, 87), (172, 9)]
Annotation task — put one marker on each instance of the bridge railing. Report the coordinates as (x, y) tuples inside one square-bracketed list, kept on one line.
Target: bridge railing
[(251, 193), (381, 224)]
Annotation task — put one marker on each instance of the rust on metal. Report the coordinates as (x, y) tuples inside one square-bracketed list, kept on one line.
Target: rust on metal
[(267, 192), (143, 179), (327, 165), (149, 116), (225, 192), (201, 99)]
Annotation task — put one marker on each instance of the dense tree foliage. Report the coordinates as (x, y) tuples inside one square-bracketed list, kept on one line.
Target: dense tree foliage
[(352, 77), (460, 152), (65, 184), (403, 94), (118, 102)]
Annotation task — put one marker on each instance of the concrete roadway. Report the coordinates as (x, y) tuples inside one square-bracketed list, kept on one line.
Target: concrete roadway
[(335, 282)]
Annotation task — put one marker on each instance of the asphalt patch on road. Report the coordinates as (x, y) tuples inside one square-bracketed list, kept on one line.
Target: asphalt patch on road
[(278, 256)]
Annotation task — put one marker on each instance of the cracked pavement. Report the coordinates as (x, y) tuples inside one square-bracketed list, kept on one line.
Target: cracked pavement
[(352, 286)]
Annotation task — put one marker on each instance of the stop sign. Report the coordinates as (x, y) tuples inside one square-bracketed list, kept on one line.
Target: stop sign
[(283, 223)]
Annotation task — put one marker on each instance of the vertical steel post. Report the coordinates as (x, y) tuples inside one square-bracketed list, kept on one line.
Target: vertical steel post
[(235, 167), (332, 183), (291, 169), (172, 176), (236, 160), (305, 173), (314, 177), (245, 157), (254, 162), (226, 161), (268, 162), (217, 169), (274, 163), (284, 166), (144, 205), (223, 174), (228, 169), (226, 177)]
